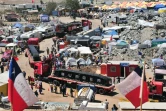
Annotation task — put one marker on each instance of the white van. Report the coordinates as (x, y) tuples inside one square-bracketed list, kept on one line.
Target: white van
[(47, 31), (31, 34), (117, 18)]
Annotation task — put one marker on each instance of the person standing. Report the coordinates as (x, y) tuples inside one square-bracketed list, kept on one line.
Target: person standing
[(55, 88), (63, 90), (47, 51), (114, 108), (106, 102), (51, 87), (118, 79), (78, 64), (24, 73), (40, 87), (60, 87), (2, 68), (71, 91), (36, 93)]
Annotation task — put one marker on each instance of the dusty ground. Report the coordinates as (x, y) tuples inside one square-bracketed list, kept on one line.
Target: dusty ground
[(113, 98)]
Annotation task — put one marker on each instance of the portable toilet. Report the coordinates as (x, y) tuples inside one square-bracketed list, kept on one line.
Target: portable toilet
[(103, 68)]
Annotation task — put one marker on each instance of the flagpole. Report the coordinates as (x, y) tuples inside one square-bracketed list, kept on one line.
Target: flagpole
[(141, 89), (11, 106)]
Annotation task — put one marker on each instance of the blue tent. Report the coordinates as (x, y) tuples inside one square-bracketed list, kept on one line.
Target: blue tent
[(110, 32), (156, 7), (17, 25)]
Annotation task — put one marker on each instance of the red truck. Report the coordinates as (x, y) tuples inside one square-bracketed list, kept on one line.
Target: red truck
[(156, 86), (34, 42), (42, 69), (87, 23)]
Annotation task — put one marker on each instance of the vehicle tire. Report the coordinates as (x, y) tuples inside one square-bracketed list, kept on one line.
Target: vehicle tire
[(101, 91)]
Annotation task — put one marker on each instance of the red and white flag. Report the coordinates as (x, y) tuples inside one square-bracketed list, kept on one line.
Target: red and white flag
[(32, 1), (19, 93), (131, 87)]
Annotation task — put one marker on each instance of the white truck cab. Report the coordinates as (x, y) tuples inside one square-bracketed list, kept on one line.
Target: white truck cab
[(47, 31)]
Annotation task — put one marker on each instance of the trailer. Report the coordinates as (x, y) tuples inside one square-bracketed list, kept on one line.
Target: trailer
[(102, 83)]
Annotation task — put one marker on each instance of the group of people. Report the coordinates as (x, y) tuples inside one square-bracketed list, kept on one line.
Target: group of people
[(62, 89), (34, 82)]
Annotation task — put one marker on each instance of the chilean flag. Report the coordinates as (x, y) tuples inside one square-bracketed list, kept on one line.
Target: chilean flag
[(131, 86), (19, 93)]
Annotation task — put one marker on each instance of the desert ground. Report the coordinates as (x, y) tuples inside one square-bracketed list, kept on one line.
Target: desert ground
[(112, 98)]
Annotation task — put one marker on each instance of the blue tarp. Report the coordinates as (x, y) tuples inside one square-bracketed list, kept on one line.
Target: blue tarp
[(111, 32), (55, 13), (156, 7), (121, 42), (17, 25)]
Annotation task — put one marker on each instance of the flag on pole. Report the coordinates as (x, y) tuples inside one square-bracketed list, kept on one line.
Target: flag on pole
[(32, 1), (19, 93), (131, 86)]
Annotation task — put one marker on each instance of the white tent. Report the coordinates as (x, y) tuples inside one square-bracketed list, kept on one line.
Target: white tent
[(163, 45), (81, 61), (71, 61), (88, 61), (84, 50), (148, 42), (72, 50)]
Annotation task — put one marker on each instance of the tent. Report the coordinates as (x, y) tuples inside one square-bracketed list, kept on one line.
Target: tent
[(82, 61), (121, 42), (158, 62), (17, 25), (44, 18), (88, 61), (156, 7), (84, 50), (71, 61)]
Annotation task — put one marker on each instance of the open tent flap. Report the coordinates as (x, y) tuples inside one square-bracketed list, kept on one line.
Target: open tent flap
[(84, 50), (71, 61), (158, 62)]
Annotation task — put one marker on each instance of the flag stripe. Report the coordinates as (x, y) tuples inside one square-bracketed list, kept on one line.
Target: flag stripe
[(19, 93), (131, 86), (135, 99), (18, 104), (130, 83), (24, 90)]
